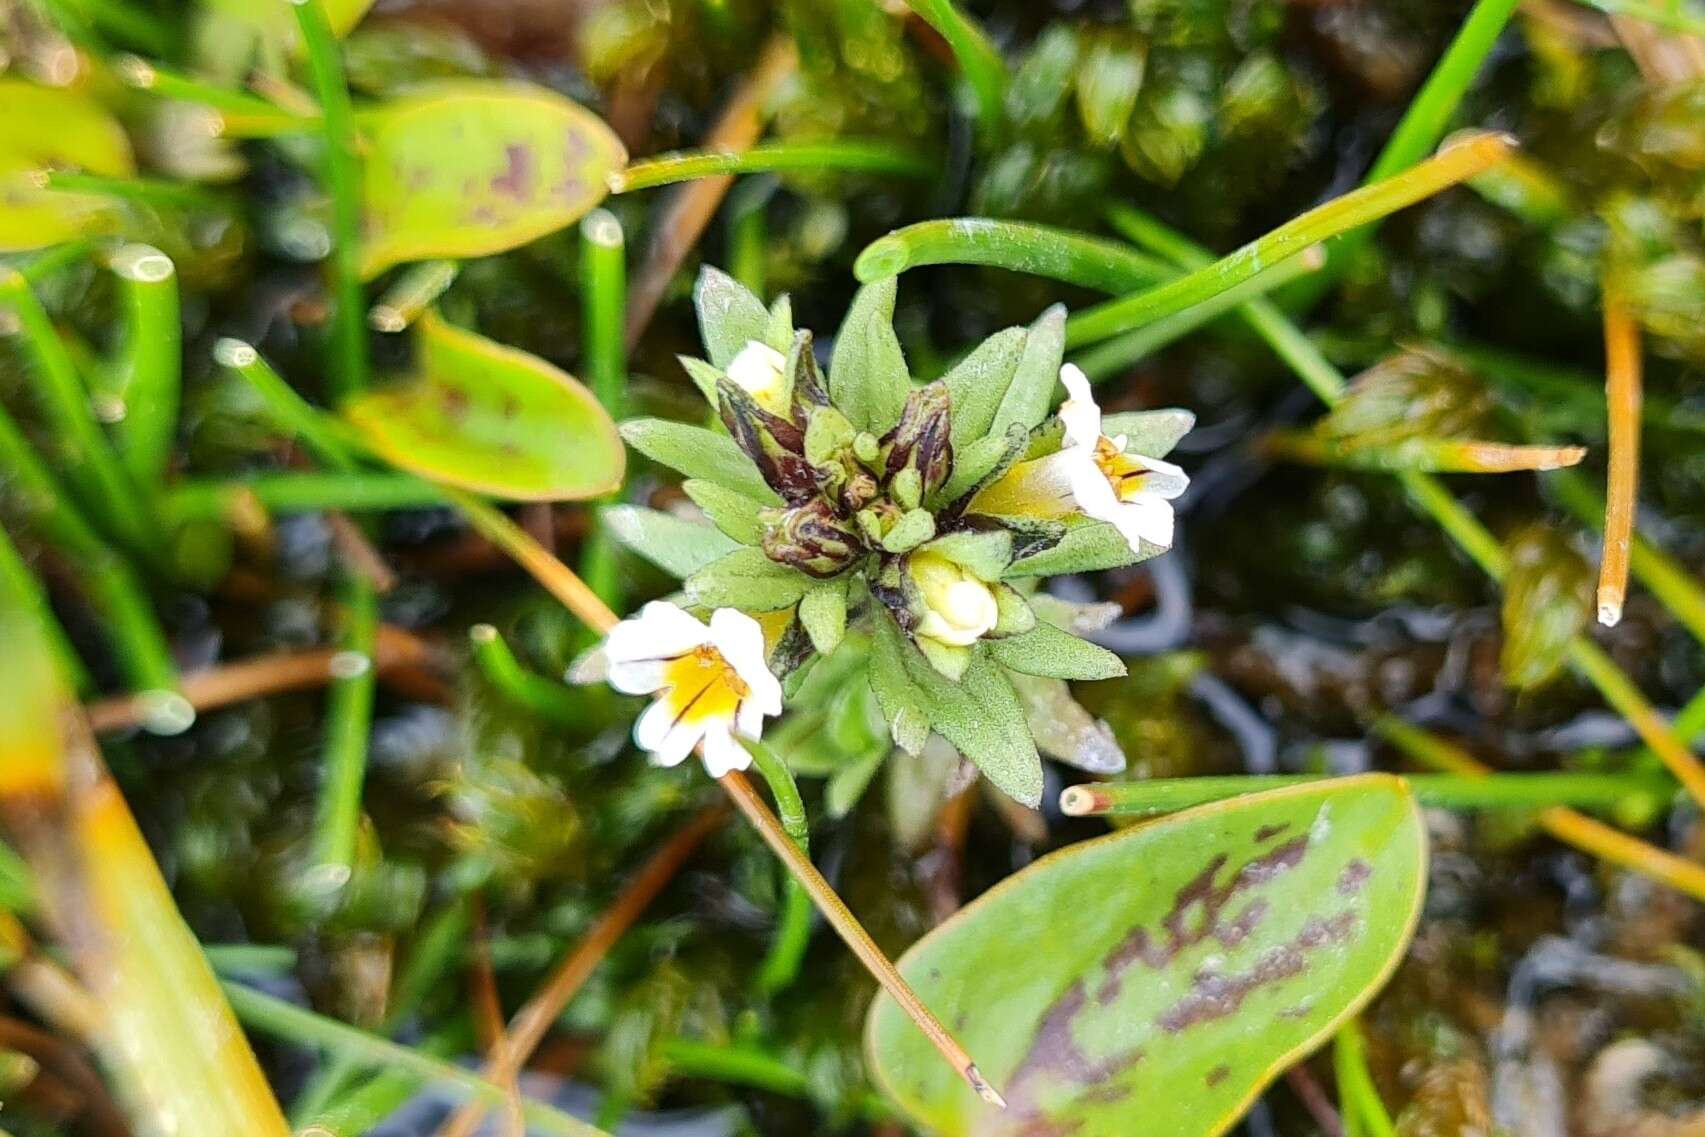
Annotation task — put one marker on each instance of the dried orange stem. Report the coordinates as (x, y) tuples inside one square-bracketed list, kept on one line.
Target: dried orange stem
[(563, 583), (530, 1024), (1622, 399)]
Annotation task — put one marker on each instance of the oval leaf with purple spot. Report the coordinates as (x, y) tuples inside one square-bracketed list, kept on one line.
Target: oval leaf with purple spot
[(1154, 981), (491, 419), (471, 167)]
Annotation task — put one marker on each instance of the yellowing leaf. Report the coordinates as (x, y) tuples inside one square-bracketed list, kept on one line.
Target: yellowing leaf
[(474, 167), (491, 419), (1154, 981), (53, 128)]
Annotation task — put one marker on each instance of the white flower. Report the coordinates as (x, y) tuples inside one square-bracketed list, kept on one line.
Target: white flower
[(711, 683), (958, 608), (1130, 491), (761, 371)]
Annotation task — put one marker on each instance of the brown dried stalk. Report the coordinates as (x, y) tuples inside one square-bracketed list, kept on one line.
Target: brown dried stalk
[(1622, 398)]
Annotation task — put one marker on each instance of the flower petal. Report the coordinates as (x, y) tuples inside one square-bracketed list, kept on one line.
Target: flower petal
[(722, 753), (740, 639), (661, 631), (1080, 413), (636, 677), (1163, 480), (1147, 518), (668, 740), (1091, 490)]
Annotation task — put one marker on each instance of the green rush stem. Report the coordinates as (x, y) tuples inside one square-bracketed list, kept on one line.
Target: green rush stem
[(793, 931), (293, 491), (1358, 1098), (359, 1109), (1040, 250), (981, 64), (744, 1066), (849, 155), (149, 191), (1318, 373), (1456, 162), (150, 364), (51, 261), (290, 412), (90, 462), (1580, 389), (285, 1020), (1111, 357), (1657, 570), (603, 292), (243, 112), (132, 23), (1422, 127), (527, 689), (255, 959), (416, 289), (342, 180), (435, 950), (23, 583), (748, 231), (349, 720), (139, 643), (1440, 791)]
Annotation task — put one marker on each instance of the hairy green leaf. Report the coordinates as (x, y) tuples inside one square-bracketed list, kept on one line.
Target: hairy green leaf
[(491, 419), (977, 383), (1048, 651), (746, 579), (868, 379), (1086, 547), (698, 453), (823, 611), (734, 513), (1152, 434), (677, 546), (1031, 392), (901, 702), (730, 317), (1154, 981)]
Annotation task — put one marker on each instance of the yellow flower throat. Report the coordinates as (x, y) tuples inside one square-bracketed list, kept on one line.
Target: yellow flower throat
[(702, 686)]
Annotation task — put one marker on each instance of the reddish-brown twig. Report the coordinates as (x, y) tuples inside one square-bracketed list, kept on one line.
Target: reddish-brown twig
[(1622, 398)]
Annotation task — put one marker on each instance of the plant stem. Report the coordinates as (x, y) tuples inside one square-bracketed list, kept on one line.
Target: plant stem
[(603, 291), (300, 491), (361, 1108), (981, 64), (543, 697), (1113, 356), (1460, 160), (1441, 791), (1434, 455), (1582, 390), (151, 364), (529, 1025), (1318, 373), (793, 930), (1591, 836), (1622, 400), (102, 483), (149, 191), (244, 115), (349, 719), (16, 578), (748, 248), (746, 1066), (342, 174), (1358, 1098), (288, 1021), (841, 155), (1019, 246), (419, 286)]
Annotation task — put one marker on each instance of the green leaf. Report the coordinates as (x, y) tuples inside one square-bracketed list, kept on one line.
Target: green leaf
[(734, 513), (50, 128), (704, 377), (977, 383), (748, 580), (901, 702), (823, 611), (868, 380), (1031, 392), (1156, 980), (677, 546), (1048, 651), (979, 714), (491, 419), (698, 453), (470, 167), (1086, 547), (849, 781), (1152, 434), (730, 317), (982, 462), (778, 332)]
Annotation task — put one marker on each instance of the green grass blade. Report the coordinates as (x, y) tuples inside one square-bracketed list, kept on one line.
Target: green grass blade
[(149, 367), (1019, 246), (844, 155)]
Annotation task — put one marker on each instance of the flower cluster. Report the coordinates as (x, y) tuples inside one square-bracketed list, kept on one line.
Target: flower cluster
[(867, 523)]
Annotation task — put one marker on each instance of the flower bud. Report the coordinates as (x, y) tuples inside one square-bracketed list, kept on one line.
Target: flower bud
[(774, 443), (958, 609), (920, 440), (761, 371), (811, 538)]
